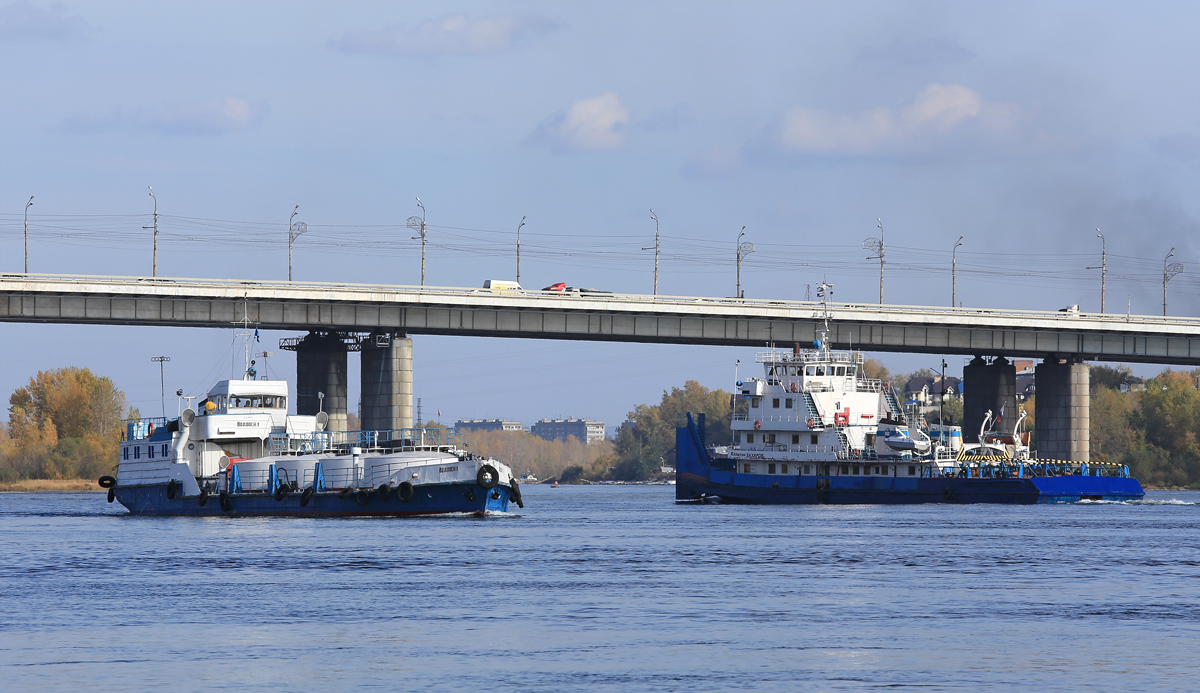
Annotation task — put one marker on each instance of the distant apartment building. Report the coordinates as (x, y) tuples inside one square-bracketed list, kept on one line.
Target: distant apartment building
[(561, 429), (487, 425)]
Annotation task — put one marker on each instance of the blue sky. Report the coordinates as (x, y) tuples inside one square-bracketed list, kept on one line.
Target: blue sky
[(1023, 127)]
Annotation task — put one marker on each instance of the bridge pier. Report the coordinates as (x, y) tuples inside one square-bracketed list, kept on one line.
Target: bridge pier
[(387, 382), (321, 367), (1062, 420), (988, 386)]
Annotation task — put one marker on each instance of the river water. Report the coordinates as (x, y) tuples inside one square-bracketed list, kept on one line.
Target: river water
[(605, 588)]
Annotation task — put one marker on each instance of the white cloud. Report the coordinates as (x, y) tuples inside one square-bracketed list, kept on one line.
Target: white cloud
[(211, 117), (933, 115), (589, 125), (208, 117), (455, 34), (24, 21)]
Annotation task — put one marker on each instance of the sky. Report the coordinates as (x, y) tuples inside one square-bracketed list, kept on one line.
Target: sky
[(1024, 127)]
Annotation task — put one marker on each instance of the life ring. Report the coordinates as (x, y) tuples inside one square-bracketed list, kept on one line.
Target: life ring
[(306, 496), (811, 423), (226, 505), (362, 498), (172, 489), (385, 491), (854, 454), (112, 495), (203, 498), (516, 493), (795, 387), (757, 425), (487, 476), (107, 481)]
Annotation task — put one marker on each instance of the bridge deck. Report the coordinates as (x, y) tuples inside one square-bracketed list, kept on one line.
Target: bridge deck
[(607, 317)]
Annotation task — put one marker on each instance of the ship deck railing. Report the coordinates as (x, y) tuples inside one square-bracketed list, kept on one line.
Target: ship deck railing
[(808, 356), (141, 429), (1000, 467), (404, 439)]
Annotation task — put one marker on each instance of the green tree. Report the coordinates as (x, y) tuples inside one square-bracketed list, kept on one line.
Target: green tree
[(647, 440)]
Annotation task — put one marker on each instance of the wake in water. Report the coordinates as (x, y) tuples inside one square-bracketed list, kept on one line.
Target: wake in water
[(1144, 501)]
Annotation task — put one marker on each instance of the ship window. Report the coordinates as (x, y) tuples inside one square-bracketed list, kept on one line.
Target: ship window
[(755, 401), (747, 468), (783, 469), (855, 469), (150, 451), (810, 370), (749, 437), (850, 371), (814, 438), (787, 403), (795, 439), (878, 471), (770, 438), (125, 452), (807, 468), (137, 452), (770, 370), (164, 450), (771, 468), (774, 402), (912, 470), (820, 370)]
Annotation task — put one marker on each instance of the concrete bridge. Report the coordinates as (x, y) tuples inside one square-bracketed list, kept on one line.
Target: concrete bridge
[(377, 319)]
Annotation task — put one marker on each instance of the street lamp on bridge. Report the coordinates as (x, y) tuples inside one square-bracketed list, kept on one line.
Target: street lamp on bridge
[(519, 226), (743, 249), (1103, 266), (953, 273), (294, 231), (876, 246), (154, 265), (1169, 271), (27, 206), (656, 246), (418, 224)]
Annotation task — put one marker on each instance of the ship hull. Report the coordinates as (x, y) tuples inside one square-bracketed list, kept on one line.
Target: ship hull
[(698, 478), (434, 499)]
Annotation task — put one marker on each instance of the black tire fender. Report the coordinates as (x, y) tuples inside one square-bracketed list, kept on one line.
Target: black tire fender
[(362, 497), (306, 496), (404, 492), (280, 493), (948, 495), (203, 499), (487, 477), (112, 495), (226, 504), (345, 493), (172, 489), (516, 493), (385, 491), (107, 481)]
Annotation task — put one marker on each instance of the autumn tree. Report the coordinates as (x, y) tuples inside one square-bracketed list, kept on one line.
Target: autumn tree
[(647, 440), (64, 424)]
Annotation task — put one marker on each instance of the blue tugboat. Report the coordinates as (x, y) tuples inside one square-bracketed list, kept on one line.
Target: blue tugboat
[(815, 430), (243, 454)]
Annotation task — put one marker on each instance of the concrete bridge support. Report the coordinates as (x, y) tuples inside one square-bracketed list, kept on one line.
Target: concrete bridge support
[(988, 386), (321, 367), (1062, 419), (387, 382)]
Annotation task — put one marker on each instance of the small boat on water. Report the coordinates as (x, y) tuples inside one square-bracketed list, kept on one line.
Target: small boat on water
[(243, 454)]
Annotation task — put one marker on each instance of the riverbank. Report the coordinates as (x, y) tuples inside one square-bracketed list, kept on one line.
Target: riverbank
[(49, 486)]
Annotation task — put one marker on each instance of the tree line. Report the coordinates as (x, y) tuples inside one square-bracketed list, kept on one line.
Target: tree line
[(66, 423)]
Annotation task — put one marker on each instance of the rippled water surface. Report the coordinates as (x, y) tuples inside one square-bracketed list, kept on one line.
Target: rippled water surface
[(605, 588)]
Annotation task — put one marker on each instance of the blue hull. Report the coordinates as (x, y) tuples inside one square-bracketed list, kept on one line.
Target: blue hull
[(696, 478), (427, 500)]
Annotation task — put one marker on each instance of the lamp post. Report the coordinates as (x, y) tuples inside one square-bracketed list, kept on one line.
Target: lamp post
[(743, 249), (656, 247), (954, 273), (160, 360), (418, 224), (1169, 271), (27, 206), (154, 265), (519, 249), (294, 231), (876, 246)]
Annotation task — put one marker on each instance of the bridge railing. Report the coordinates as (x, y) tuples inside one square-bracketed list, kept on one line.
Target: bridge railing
[(376, 292)]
